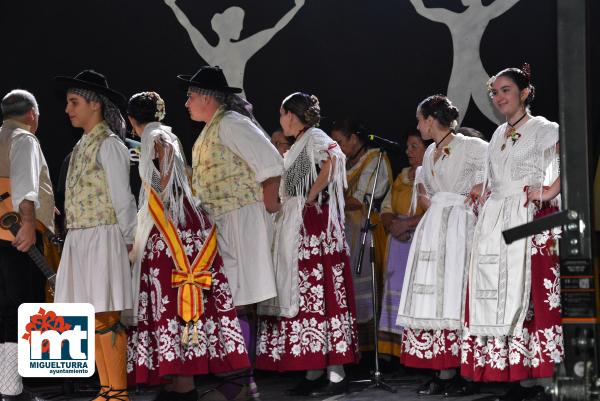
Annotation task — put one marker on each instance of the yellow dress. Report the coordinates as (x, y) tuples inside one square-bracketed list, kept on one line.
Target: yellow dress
[(360, 181), (397, 202)]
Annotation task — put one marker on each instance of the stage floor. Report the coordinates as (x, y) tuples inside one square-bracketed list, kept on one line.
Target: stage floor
[(272, 387)]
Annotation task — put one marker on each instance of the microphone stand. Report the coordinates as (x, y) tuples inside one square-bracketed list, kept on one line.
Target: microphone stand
[(376, 380)]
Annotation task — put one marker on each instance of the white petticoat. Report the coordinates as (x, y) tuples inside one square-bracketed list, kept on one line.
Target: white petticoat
[(94, 268), (244, 238)]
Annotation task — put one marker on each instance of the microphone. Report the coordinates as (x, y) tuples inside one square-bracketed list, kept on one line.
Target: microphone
[(384, 143)]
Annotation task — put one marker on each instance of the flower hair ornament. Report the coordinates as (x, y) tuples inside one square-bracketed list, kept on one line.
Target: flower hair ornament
[(526, 68), (161, 110), (159, 103)]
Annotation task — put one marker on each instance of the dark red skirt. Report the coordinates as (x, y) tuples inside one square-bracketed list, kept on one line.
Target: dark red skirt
[(535, 352), (155, 347), (430, 349), (324, 331)]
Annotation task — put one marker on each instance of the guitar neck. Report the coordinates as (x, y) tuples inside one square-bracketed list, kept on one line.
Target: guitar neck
[(36, 256)]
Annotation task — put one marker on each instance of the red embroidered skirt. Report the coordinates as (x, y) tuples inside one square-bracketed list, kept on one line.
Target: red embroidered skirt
[(324, 330), (535, 352), (155, 348), (430, 349)]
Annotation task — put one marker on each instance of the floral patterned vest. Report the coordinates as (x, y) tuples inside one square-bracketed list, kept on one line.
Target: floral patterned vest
[(221, 180), (87, 198)]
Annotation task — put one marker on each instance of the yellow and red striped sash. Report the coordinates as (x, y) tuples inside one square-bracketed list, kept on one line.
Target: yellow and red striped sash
[(190, 279)]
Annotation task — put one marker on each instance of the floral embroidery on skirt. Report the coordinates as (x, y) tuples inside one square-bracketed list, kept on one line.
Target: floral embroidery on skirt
[(534, 352), (155, 348), (430, 349), (324, 330)]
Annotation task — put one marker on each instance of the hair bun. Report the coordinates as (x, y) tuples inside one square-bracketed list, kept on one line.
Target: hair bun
[(526, 68), (313, 114), (453, 111), (440, 108), (306, 107), (146, 107)]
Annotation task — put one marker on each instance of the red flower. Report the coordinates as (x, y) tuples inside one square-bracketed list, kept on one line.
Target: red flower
[(45, 321)]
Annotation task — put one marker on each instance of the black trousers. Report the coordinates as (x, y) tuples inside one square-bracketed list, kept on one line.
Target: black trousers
[(20, 281)]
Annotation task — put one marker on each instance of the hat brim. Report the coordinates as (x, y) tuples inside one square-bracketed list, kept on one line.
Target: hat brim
[(63, 84), (185, 81)]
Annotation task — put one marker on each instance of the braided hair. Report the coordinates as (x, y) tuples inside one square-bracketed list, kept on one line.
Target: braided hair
[(305, 107)]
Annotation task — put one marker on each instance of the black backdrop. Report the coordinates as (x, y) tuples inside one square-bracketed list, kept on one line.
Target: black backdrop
[(372, 59)]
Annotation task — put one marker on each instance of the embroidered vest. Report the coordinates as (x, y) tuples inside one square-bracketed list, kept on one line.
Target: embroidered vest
[(221, 180), (45, 213), (87, 198)]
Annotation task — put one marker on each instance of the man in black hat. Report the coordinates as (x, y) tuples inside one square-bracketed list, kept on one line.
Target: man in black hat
[(236, 178), (101, 219), (24, 175)]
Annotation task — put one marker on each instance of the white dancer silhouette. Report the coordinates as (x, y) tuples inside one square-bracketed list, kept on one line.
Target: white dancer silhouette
[(229, 53), (468, 76)]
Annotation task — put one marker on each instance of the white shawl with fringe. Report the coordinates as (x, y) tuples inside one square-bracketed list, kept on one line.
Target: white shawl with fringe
[(318, 147), (172, 195)]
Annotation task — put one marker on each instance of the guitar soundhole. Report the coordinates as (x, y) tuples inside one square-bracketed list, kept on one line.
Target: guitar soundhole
[(8, 220)]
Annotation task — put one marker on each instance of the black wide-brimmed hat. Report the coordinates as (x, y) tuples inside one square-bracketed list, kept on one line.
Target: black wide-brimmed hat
[(90, 80), (207, 77)]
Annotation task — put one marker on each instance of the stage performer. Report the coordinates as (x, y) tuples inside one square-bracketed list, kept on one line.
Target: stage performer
[(399, 216), (236, 172), (312, 325), (24, 174), (513, 322), (434, 286), (101, 222), (175, 239), (361, 164)]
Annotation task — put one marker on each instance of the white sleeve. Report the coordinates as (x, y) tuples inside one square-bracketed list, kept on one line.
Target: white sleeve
[(248, 142), (419, 176), (25, 167), (475, 164), (549, 134), (113, 157), (365, 181)]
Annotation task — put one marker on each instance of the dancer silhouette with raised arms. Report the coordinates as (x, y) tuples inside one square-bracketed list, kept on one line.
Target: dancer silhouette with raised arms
[(230, 53), (468, 76)]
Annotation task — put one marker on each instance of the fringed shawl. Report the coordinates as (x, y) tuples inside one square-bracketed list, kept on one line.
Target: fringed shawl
[(300, 163), (319, 147), (173, 164), (173, 194)]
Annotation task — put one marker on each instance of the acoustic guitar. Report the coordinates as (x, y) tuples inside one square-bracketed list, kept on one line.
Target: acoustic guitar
[(10, 224)]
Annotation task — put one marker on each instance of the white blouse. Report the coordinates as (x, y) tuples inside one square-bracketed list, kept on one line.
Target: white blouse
[(113, 157), (247, 141)]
